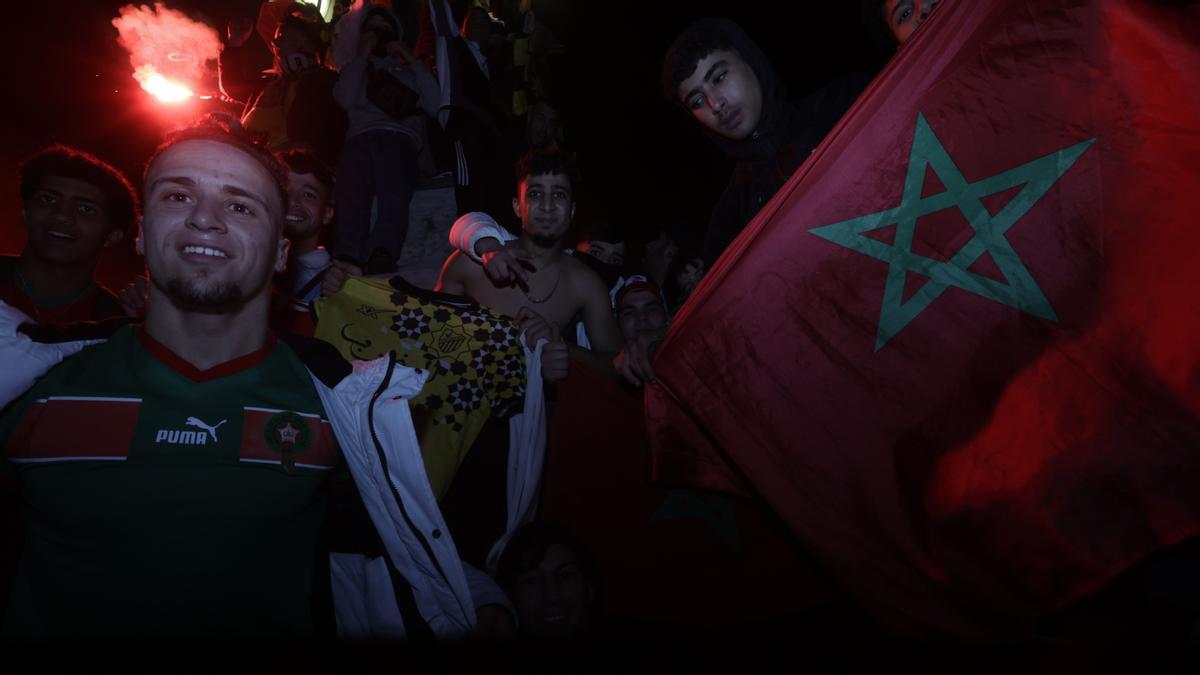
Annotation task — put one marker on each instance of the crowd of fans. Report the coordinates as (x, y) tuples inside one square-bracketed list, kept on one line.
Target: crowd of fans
[(342, 123)]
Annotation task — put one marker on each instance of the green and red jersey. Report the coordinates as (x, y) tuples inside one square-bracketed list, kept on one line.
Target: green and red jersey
[(160, 499)]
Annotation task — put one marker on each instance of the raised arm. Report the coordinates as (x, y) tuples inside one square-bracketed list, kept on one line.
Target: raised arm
[(471, 231), (478, 236), (428, 91)]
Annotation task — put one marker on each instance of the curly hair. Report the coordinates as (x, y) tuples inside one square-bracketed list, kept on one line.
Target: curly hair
[(121, 201)]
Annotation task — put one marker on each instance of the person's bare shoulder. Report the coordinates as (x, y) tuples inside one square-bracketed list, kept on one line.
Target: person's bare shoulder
[(592, 299), (457, 274)]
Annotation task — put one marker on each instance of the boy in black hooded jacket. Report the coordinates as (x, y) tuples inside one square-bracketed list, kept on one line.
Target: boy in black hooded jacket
[(717, 73)]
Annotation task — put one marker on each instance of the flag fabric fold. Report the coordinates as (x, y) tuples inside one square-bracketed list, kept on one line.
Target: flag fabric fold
[(957, 353)]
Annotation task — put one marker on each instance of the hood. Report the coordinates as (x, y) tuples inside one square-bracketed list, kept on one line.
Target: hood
[(344, 46), (775, 111), (383, 11)]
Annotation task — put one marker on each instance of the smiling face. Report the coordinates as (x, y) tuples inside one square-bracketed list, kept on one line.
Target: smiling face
[(212, 228), (67, 222), (724, 95), (545, 206), (641, 312), (309, 207), (553, 598)]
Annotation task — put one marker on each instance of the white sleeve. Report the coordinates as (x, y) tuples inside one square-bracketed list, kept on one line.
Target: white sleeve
[(485, 591), (25, 360), (526, 453), (473, 226)]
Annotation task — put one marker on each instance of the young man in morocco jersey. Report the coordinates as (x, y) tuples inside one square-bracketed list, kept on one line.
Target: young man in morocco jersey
[(174, 476)]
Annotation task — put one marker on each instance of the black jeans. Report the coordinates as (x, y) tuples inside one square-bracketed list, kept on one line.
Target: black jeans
[(379, 166)]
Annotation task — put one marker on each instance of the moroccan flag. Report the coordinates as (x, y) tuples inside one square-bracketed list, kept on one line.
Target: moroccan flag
[(958, 352)]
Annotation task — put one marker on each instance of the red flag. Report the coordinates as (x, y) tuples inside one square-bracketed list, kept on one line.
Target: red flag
[(957, 353)]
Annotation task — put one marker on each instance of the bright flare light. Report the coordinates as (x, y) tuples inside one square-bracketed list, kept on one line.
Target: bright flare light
[(160, 87)]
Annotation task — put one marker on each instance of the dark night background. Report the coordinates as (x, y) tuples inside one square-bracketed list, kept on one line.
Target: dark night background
[(643, 162)]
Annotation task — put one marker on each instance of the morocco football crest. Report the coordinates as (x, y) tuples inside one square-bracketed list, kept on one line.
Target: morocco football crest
[(287, 434)]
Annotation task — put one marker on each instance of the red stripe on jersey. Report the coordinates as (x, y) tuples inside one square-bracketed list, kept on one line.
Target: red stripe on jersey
[(60, 429), (320, 452)]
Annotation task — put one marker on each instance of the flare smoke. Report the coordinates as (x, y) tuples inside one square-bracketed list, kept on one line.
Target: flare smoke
[(170, 53)]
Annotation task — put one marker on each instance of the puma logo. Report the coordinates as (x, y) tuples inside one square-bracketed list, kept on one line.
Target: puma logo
[(196, 422)]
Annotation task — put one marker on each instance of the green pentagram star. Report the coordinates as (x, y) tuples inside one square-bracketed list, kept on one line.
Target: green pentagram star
[(1021, 291)]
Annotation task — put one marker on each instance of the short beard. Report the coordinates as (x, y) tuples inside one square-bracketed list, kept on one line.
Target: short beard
[(220, 298)]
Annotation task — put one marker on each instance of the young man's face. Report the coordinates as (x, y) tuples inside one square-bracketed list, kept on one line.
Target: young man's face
[(211, 232), (67, 222), (309, 206), (641, 312), (545, 206), (553, 598), (904, 16), (724, 94)]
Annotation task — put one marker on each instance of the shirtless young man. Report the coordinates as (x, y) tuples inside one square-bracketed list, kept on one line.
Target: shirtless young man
[(554, 288)]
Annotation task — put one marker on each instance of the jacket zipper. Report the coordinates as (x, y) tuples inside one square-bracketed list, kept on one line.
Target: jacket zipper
[(396, 492)]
